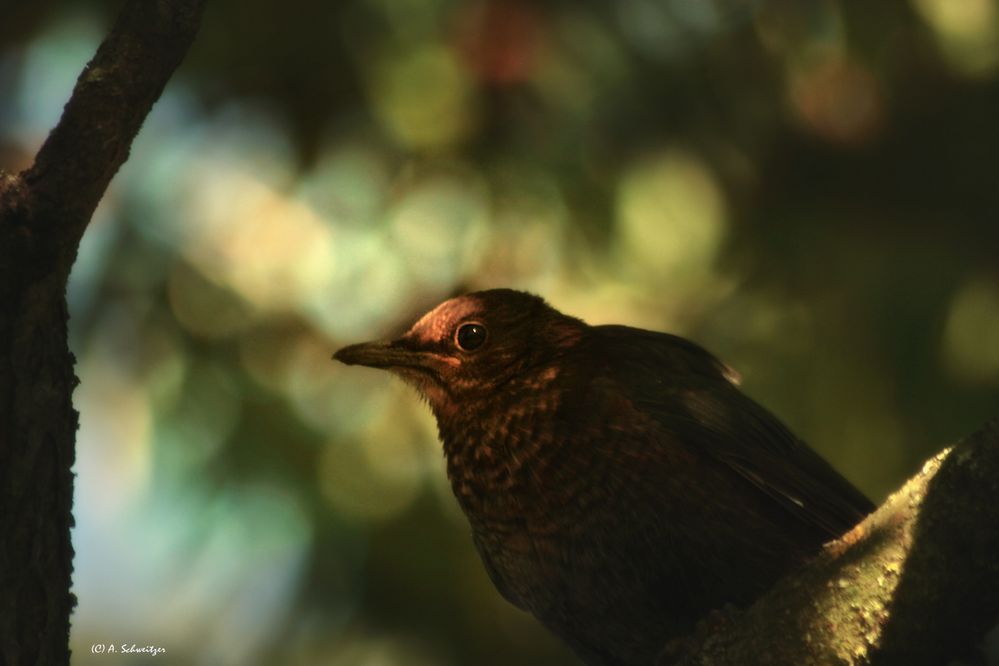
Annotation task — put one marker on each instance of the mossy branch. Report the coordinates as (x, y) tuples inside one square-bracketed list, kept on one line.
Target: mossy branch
[(917, 582)]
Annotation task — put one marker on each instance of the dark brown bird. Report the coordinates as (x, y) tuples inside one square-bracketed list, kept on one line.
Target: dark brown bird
[(619, 486)]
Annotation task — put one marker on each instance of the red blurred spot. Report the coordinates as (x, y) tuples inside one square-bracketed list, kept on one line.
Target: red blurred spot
[(499, 41), (839, 100)]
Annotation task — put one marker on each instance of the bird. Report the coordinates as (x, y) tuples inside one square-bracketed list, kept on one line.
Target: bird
[(618, 484)]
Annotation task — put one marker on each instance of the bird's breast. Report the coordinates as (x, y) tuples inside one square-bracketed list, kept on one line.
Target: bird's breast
[(511, 457)]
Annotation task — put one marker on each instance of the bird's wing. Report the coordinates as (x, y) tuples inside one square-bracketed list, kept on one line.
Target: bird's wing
[(689, 392), (496, 574)]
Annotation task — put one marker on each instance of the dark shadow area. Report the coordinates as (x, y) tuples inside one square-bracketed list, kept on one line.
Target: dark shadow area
[(948, 595)]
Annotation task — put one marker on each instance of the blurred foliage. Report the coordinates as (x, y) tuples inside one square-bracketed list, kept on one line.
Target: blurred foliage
[(805, 188)]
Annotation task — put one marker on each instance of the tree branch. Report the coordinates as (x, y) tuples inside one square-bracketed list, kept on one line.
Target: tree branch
[(917, 582), (43, 214), (110, 101)]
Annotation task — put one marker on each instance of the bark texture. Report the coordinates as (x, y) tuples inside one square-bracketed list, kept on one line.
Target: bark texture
[(915, 583), (43, 214)]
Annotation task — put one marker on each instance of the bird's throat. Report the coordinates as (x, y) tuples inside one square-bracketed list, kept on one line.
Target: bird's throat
[(498, 461)]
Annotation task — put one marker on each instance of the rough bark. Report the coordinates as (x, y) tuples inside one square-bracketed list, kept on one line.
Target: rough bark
[(43, 214), (916, 583)]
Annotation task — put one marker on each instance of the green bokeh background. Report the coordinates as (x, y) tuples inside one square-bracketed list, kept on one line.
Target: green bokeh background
[(809, 189)]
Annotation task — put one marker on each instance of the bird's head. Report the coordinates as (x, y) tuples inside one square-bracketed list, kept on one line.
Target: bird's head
[(471, 345)]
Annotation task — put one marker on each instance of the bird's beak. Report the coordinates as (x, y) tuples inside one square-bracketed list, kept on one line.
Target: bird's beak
[(382, 355)]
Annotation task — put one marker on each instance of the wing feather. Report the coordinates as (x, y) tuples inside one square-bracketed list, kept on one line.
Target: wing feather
[(689, 392)]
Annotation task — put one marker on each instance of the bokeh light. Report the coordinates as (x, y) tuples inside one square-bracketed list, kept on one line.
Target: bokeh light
[(49, 68), (803, 188), (836, 98), (425, 98), (672, 216), (971, 337), (967, 32)]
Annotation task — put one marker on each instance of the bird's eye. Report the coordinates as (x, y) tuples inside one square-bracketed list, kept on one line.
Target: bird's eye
[(470, 337)]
